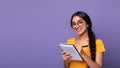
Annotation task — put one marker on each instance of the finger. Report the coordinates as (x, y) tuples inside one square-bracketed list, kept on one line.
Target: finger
[(63, 52), (67, 57)]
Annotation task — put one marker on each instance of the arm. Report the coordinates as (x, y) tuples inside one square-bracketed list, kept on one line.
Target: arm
[(100, 49), (66, 64), (66, 56), (91, 63)]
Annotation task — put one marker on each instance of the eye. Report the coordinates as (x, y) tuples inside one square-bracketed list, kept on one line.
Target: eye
[(80, 21), (73, 24)]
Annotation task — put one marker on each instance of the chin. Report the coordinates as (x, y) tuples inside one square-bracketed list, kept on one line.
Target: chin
[(79, 33)]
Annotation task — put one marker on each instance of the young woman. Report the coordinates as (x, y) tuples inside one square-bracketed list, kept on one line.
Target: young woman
[(92, 54)]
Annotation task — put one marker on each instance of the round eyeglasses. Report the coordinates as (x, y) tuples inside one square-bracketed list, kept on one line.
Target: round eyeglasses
[(79, 23)]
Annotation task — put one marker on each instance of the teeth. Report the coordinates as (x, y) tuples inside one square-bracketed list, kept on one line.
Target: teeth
[(79, 29)]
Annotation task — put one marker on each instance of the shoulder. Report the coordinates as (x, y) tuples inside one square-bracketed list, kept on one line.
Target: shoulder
[(98, 41), (71, 40), (100, 46)]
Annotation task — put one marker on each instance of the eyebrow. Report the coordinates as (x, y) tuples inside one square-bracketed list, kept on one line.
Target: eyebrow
[(77, 21)]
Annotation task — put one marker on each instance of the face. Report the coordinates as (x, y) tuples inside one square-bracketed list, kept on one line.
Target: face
[(79, 25)]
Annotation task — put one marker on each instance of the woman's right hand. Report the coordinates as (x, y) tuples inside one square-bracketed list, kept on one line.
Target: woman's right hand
[(66, 55)]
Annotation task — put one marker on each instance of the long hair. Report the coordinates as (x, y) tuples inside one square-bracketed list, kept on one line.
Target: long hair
[(91, 34)]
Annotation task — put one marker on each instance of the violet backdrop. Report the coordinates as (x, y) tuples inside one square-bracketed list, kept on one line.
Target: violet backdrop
[(30, 30)]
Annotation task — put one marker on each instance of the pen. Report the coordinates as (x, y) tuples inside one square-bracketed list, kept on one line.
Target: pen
[(85, 46)]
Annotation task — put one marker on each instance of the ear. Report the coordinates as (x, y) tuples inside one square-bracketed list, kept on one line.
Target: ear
[(87, 25)]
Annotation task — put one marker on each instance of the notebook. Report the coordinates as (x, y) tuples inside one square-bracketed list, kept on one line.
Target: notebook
[(70, 48)]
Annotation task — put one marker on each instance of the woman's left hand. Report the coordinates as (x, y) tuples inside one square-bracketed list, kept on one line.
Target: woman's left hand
[(80, 49)]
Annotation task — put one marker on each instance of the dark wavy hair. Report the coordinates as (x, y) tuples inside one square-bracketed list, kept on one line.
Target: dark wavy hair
[(91, 34)]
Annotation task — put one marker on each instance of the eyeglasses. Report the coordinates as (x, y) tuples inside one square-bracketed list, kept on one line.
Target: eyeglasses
[(79, 23)]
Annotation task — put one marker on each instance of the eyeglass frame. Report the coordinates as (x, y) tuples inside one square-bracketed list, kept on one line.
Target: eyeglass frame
[(79, 23)]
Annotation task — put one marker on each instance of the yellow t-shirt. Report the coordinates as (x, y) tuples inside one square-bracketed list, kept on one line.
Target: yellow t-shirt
[(82, 64)]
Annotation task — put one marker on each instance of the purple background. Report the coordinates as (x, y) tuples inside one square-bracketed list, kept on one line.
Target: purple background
[(30, 30)]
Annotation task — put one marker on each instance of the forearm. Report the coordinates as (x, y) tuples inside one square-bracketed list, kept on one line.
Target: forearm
[(66, 64), (91, 63)]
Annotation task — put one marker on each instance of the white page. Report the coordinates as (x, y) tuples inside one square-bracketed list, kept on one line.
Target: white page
[(72, 50)]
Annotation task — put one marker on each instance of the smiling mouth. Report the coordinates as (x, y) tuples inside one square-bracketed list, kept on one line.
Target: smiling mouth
[(78, 29)]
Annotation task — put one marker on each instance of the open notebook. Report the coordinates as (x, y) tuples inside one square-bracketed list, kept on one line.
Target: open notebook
[(72, 50)]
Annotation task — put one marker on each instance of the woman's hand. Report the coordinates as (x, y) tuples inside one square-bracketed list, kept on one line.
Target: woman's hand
[(66, 56), (80, 49)]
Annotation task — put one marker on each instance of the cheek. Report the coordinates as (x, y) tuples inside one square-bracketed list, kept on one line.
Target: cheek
[(85, 26), (74, 29)]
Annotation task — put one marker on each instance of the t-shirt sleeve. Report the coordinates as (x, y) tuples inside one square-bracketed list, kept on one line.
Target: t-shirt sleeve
[(71, 41), (100, 46), (68, 41)]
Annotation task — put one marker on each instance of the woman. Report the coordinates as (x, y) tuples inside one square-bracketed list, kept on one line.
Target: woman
[(92, 54)]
